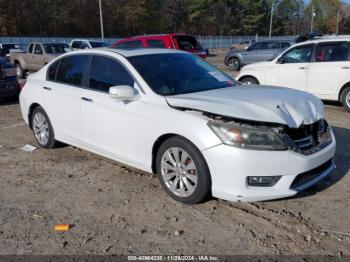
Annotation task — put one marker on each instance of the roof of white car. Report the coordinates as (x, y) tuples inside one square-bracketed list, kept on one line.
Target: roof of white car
[(139, 51), (327, 39)]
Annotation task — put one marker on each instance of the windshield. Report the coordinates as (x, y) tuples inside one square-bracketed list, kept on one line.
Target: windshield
[(97, 44), (173, 74), (54, 48)]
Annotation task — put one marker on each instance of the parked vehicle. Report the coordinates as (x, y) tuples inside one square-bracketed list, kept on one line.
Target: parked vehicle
[(320, 67), (37, 55), (185, 120), (176, 41), (260, 51), (77, 44), (243, 44), (8, 80), (5, 49), (309, 36)]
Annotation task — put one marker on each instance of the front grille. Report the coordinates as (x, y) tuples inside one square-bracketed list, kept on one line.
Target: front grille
[(309, 139), (310, 175)]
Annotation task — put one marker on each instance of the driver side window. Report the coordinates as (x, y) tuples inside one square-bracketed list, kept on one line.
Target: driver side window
[(300, 54), (106, 72)]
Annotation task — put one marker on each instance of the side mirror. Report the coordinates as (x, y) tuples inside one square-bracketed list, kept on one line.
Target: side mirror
[(123, 92)]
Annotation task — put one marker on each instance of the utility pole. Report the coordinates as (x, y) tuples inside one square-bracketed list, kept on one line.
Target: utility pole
[(312, 19), (337, 28), (272, 7), (101, 20)]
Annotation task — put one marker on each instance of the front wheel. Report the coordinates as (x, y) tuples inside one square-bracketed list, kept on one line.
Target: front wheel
[(249, 81), (42, 129), (182, 171), (345, 98)]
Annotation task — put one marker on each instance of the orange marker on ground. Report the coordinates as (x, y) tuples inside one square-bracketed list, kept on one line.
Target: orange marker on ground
[(61, 227)]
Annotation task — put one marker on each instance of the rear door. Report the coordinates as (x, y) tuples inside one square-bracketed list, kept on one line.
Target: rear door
[(62, 96), (251, 54), (268, 50), (292, 68), (330, 69)]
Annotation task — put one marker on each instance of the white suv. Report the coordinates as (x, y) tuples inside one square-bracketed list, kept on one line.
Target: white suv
[(321, 67)]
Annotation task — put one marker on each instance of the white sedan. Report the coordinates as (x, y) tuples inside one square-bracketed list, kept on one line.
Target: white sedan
[(320, 67), (171, 113)]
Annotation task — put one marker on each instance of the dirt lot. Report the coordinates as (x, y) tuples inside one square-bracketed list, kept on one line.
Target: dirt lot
[(119, 210)]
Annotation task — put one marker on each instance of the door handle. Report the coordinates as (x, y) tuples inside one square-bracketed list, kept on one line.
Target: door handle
[(87, 99), (47, 88), (303, 68), (346, 67)]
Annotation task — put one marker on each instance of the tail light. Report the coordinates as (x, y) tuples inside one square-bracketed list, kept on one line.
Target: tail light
[(21, 85)]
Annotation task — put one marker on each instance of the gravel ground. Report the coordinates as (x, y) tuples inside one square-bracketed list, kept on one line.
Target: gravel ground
[(114, 209)]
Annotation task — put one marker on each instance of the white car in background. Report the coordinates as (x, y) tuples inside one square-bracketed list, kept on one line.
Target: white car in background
[(181, 118), (320, 67)]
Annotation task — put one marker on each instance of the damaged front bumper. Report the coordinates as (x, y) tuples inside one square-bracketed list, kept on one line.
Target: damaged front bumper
[(230, 167)]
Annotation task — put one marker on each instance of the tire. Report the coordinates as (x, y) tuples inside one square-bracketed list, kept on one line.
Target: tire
[(234, 64), (249, 80), (189, 187), (345, 98), (41, 125), (19, 71)]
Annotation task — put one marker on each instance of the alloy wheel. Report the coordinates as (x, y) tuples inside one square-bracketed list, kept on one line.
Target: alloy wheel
[(179, 172), (41, 128)]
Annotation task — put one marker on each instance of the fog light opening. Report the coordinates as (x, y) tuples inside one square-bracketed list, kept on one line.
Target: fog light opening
[(263, 181)]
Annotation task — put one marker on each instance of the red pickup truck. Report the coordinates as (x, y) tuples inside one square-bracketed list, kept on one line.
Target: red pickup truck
[(177, 41)]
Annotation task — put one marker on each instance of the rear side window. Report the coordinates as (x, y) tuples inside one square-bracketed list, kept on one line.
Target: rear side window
[(130, 44), (71, 69), (76, 44), (332, 52), (155, 43), (30, 49), (51, 72), (187, 42), (106, 72)]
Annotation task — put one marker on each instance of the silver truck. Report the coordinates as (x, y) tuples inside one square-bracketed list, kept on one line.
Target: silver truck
[(37, 55)]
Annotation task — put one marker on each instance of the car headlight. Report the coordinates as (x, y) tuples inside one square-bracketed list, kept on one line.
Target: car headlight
[(247, 137)]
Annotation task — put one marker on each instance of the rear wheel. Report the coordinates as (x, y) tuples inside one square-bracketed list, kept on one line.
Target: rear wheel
[(42, 129), (345, 98), (234, 64), (182, 171), (249, 80)]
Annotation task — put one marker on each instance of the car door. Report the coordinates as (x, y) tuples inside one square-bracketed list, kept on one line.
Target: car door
[(62, 96), (251, 53), (291, 69), (330, 69), (112, 128), (37, 57), (267, 51)]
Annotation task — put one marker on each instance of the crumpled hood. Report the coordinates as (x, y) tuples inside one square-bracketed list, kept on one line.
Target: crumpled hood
[(257, 103)]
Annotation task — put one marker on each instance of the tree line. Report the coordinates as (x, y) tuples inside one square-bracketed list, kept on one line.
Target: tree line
[(80, 18)]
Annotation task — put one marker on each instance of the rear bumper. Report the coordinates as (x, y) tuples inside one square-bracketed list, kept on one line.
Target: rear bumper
[(8, 89)]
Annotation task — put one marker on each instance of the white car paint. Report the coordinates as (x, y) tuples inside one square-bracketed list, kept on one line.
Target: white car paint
[(326, 80), (126, 131)]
